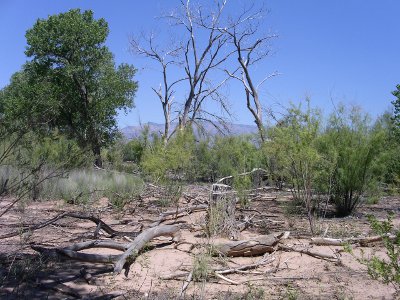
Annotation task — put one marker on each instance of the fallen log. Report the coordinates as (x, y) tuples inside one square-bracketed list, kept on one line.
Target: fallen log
[(121, 261), (363, 241), (57, 253), (252, 247), (130, 255)]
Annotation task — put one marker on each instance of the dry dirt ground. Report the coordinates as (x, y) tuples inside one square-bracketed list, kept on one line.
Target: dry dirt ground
[(290, 275)]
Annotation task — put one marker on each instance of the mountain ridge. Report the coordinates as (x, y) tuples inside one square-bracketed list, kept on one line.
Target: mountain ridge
[(134, 131)]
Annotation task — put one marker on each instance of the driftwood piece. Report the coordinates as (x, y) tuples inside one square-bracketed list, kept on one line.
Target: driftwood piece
[(100, 225), (252, 247), (130, 255), (363, 241), (226, 279), (186, 284), (121, 261)]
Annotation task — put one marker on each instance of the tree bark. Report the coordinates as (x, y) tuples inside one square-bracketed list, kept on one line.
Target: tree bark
[(252, 247), (96, 149)]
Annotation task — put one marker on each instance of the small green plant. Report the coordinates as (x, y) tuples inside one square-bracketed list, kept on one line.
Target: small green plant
[(201, 267), (242, 184), (373, 199), (254, 293), (382, 269), (387, 269), (291, 293)]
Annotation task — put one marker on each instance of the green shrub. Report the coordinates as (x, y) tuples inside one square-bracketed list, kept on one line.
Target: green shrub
[(202, 267), (171, 161), (242, 184), (233, 155), (35, 159), (204, 166), (133, 151), (292, 146), (388, 162), (356, 148)]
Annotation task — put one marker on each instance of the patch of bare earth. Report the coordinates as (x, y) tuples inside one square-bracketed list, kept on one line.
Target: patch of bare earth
[(287, 274)]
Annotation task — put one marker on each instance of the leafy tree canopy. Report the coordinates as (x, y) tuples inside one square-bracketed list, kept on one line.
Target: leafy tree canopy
[(71, 80)]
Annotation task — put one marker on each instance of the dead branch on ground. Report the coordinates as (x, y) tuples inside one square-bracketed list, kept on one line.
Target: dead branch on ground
[(332, 258), (122, 261), (362, 241), (184, 211), (99, 223)]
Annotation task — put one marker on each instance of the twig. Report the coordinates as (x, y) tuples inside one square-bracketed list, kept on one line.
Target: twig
[(186, 283), (331, 258), (226, 279)]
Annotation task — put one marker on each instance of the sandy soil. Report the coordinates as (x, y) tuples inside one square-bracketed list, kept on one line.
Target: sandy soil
[(291, 275)]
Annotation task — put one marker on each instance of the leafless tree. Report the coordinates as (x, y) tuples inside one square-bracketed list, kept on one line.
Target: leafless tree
[(165, 58), (250, 47), (201, 59), (200, 55), (210, 40)]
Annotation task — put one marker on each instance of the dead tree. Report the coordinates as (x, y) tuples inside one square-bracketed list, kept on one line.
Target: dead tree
[(250, 47), (165, 59), (198, 59), (202, 59)]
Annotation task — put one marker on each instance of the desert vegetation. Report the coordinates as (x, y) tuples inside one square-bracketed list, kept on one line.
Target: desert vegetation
[(305, 208)]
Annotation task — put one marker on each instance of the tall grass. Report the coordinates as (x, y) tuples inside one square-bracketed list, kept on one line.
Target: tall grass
[(85, 186)]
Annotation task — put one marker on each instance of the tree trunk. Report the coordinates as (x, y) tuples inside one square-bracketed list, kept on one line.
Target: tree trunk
[(97, 156), (252, 247)]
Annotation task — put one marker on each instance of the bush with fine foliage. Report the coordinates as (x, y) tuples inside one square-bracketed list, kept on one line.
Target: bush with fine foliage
[(173, 160), (292, 146), (354, 149)]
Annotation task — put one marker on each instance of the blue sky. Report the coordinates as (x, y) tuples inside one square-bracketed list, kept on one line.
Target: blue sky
[(332, 51)]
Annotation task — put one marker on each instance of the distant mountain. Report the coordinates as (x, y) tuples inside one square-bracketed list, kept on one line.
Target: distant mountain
[(131, 132)]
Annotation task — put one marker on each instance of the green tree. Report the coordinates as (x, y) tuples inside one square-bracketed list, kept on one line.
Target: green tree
[(357, 149), (73, 77), (396, 115), (292, 146), (388, 162)]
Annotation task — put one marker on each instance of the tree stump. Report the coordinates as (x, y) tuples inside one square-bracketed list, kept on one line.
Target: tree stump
[(221, 212)]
